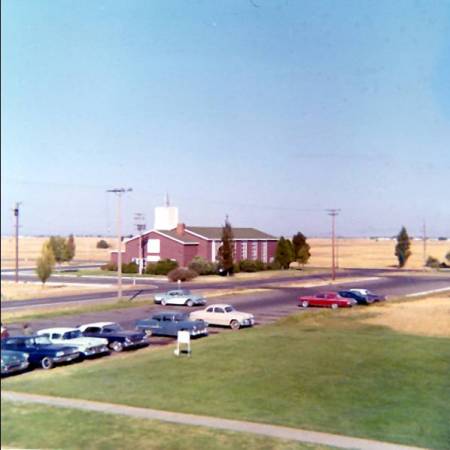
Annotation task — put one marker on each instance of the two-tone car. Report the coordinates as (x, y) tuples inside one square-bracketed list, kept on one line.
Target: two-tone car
[(169, 323), (13, 361), (179, 297), (87, 346), (118, 338), (360, 299), (370, 296), (40, 350), (326, 299), (224, 315)]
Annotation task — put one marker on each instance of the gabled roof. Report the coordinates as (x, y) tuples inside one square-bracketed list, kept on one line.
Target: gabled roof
[(238, 233), (208, 233)]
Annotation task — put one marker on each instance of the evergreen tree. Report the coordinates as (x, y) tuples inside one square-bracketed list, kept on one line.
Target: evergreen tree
[(402, 249), (284, 253), (225, 254), (301, 248), (45, 263), (70, 248)]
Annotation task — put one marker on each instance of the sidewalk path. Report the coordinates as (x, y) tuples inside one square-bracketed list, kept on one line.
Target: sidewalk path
[(294, 434)]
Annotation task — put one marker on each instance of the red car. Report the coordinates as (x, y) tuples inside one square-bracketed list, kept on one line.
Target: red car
[(327, 299)]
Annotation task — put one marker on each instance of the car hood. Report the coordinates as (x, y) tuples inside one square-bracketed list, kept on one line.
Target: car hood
[(126, 334)]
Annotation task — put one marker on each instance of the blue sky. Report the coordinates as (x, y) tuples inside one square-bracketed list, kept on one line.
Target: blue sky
[(268, 111)]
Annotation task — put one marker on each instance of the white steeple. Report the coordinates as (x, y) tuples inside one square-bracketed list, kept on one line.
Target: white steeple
[(166, 217)]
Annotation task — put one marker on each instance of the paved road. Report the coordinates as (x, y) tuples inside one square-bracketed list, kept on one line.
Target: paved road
[(272, 303), (295, 434)]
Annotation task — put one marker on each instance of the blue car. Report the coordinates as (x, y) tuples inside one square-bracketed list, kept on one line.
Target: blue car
[(41, 352), (169, 323)]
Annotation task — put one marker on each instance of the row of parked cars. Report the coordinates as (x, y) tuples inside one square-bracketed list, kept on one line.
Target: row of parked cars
[(48, 347), (52, 346), (341, 299)]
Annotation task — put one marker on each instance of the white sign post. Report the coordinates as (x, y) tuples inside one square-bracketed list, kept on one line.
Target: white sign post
[(183, 338)]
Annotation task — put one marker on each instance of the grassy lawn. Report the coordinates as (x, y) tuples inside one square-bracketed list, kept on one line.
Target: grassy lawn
[(38, 426), (329, 371)]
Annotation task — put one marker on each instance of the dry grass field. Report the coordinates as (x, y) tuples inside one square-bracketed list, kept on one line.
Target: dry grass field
[(22, 291), (30, 249), (369, 253), (361, 253), (425, 317)]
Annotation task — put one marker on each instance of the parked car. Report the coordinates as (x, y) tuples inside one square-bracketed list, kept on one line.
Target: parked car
[(118, 338), (169, 323), (225, 315), (40, 350), (371, 296), (87, 346), (327, 299), (13, 361), (360, 299), (179, 297)]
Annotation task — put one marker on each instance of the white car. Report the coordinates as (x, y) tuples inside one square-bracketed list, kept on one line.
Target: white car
[(226, 315), (73, 337)]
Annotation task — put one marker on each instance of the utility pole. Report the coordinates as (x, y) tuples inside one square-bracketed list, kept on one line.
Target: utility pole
[(16, 215), (139, 219), (119, 193), (333, 213), (424, 229)]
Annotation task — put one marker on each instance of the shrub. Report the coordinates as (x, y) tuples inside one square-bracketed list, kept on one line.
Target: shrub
[(442, 238), (202, 266), (273, 265), (131, 267), (111, 267), (432, 262), (162, 267), (102, 244), (182, 274), (249, 265)]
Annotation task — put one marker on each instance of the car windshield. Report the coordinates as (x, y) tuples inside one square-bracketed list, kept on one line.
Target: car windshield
[(184, 292), (112, 328), (38, 340), (181, 317), (229, 309), (72, 334)]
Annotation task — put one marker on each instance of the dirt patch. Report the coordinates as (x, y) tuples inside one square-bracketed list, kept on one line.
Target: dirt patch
[(427, 317)]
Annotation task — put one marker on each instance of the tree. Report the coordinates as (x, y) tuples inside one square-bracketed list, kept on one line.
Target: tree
[(301, 248), (225, 253), (402, 251), (70, 248), (59, 248), (45, 263), (284, 253)]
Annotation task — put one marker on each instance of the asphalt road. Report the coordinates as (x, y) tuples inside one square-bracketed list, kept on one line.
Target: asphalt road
[(277, 301)]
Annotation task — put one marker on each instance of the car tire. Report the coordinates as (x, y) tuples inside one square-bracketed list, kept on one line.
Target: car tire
[(190, 303), (305, 304), (47, 363), (163, 302), (117, 346), (235, 325), (334, 306)]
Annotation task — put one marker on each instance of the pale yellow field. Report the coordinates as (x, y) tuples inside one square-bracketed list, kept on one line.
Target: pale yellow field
[(361, 253), (22, 291), (427, 317), (30, 249), (368, 253)]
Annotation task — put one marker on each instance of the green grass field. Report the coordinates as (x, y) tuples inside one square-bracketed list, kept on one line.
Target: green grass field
[(321, 371), (37, 426)]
